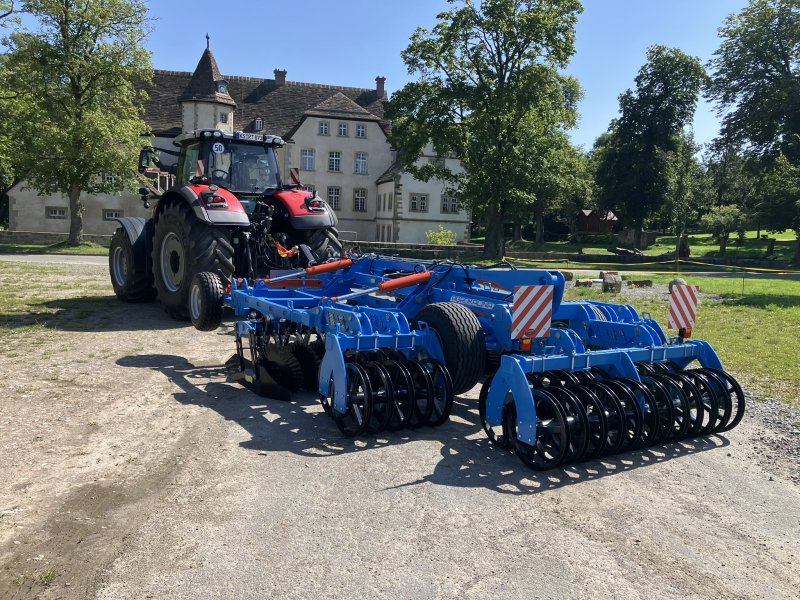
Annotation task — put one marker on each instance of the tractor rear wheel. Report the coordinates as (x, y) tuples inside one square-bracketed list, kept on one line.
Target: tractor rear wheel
[(462, 340), (182, 247), (129, 284)]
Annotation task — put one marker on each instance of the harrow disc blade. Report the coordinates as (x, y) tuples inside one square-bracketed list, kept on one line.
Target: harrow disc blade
[(283, 367), (596, 417), (443, 396), (382, 396), (552, 433), (497, 434), (423, 394), (634, 416), (309, 364), (402, 395), (615, 417), (732, 398), (577, 421), (356, 417)]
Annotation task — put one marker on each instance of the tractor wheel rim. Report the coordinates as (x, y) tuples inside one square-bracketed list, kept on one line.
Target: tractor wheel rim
[(120, 267), (172, 261), (195, 301)]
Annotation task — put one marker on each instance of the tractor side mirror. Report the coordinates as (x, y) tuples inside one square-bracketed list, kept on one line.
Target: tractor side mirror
[(146, 156)]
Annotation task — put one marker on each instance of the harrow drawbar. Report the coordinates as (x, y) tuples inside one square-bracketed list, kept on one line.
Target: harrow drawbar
[(388, 343)]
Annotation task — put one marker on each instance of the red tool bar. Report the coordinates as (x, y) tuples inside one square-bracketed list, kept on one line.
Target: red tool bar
[(408, 280), (315, 270), (390, 286), (329, 267)]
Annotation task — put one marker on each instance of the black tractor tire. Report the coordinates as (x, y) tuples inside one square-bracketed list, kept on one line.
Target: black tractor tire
[(324, 243), (129, 284), (462, 339), (182, 247), (205, 301)]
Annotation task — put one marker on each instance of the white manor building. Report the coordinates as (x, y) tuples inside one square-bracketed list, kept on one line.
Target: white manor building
[(337, 146)]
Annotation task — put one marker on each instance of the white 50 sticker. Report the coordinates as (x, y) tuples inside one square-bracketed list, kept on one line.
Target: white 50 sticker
[(218, 148)]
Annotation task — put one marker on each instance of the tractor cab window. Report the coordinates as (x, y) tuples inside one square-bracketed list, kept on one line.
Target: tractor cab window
[(247, 168), (188, 167)]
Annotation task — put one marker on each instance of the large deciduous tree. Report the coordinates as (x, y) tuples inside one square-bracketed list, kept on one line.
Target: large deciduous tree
[(636, 158), (76, 77), (756, 78), (756, 84), (484, 71)]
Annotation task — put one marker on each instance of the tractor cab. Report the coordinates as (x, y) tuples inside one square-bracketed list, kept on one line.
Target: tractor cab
[(242, 163)]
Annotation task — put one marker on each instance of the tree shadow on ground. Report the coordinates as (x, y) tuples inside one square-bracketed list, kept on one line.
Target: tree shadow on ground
[(92, 314), (468, 458)]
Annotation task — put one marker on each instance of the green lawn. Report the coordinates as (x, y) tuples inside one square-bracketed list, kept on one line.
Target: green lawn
[(59, 248), (754, 327), (703, 246)]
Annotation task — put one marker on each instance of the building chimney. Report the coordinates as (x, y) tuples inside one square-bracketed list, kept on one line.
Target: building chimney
[(379, 81), (280, 77)]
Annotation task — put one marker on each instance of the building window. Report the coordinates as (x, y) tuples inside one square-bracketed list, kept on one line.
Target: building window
[(223, 117), (310, 188), (418, 203), (335, 162), (56, 212), (391, 195), (323, 128), (360, 200), (307, 159), (342, 129), (449, 205), (334, 197), (259, 124), (109, 214), (437, 162), (361, 131), (361, 163)]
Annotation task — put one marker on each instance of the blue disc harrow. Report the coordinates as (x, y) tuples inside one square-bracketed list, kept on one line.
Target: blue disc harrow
[(388, 343)]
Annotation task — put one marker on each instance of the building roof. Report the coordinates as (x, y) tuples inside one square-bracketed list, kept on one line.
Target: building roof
[(282, 107), (604, 215), (388, 174), (203, 82)]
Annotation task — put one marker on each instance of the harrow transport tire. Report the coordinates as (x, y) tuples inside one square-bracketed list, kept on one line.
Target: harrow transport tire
[(183, 246), (205, 301), (462, 340), (129, 284)]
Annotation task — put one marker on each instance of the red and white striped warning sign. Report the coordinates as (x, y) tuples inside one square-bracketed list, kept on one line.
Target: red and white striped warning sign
[(533, 310), (683, 303), (294, 175), (201, 168)]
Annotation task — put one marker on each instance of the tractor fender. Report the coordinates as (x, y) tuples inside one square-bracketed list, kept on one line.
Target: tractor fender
[(234, 214), (140, 233)]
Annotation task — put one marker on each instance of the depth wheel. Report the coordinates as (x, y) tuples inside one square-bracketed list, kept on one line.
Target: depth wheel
[(206, 298)]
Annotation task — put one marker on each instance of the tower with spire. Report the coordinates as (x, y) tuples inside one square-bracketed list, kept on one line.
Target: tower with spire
[(206, 102)]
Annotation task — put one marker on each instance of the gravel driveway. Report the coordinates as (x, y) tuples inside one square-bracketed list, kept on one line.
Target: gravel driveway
[(132, 469)]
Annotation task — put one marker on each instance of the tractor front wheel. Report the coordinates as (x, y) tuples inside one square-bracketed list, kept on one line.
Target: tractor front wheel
[(182, 247)]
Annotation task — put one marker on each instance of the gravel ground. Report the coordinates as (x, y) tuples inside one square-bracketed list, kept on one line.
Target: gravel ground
[(133, 469)]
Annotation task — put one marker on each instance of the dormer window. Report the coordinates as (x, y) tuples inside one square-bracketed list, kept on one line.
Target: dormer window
[(222, 87), (259, 124)]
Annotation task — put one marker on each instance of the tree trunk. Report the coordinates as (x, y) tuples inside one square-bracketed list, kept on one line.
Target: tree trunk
[(576, 234), (678, 235), (723, 243), (539, 227), (758, 231), (517, 231), (495, 244), (637, 236), (796, 259), (75, 215)]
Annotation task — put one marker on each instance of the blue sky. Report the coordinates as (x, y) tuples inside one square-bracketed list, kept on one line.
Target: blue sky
[(350, 42)]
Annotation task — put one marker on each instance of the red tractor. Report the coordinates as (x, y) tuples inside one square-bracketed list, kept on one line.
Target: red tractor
[(227, 213)]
